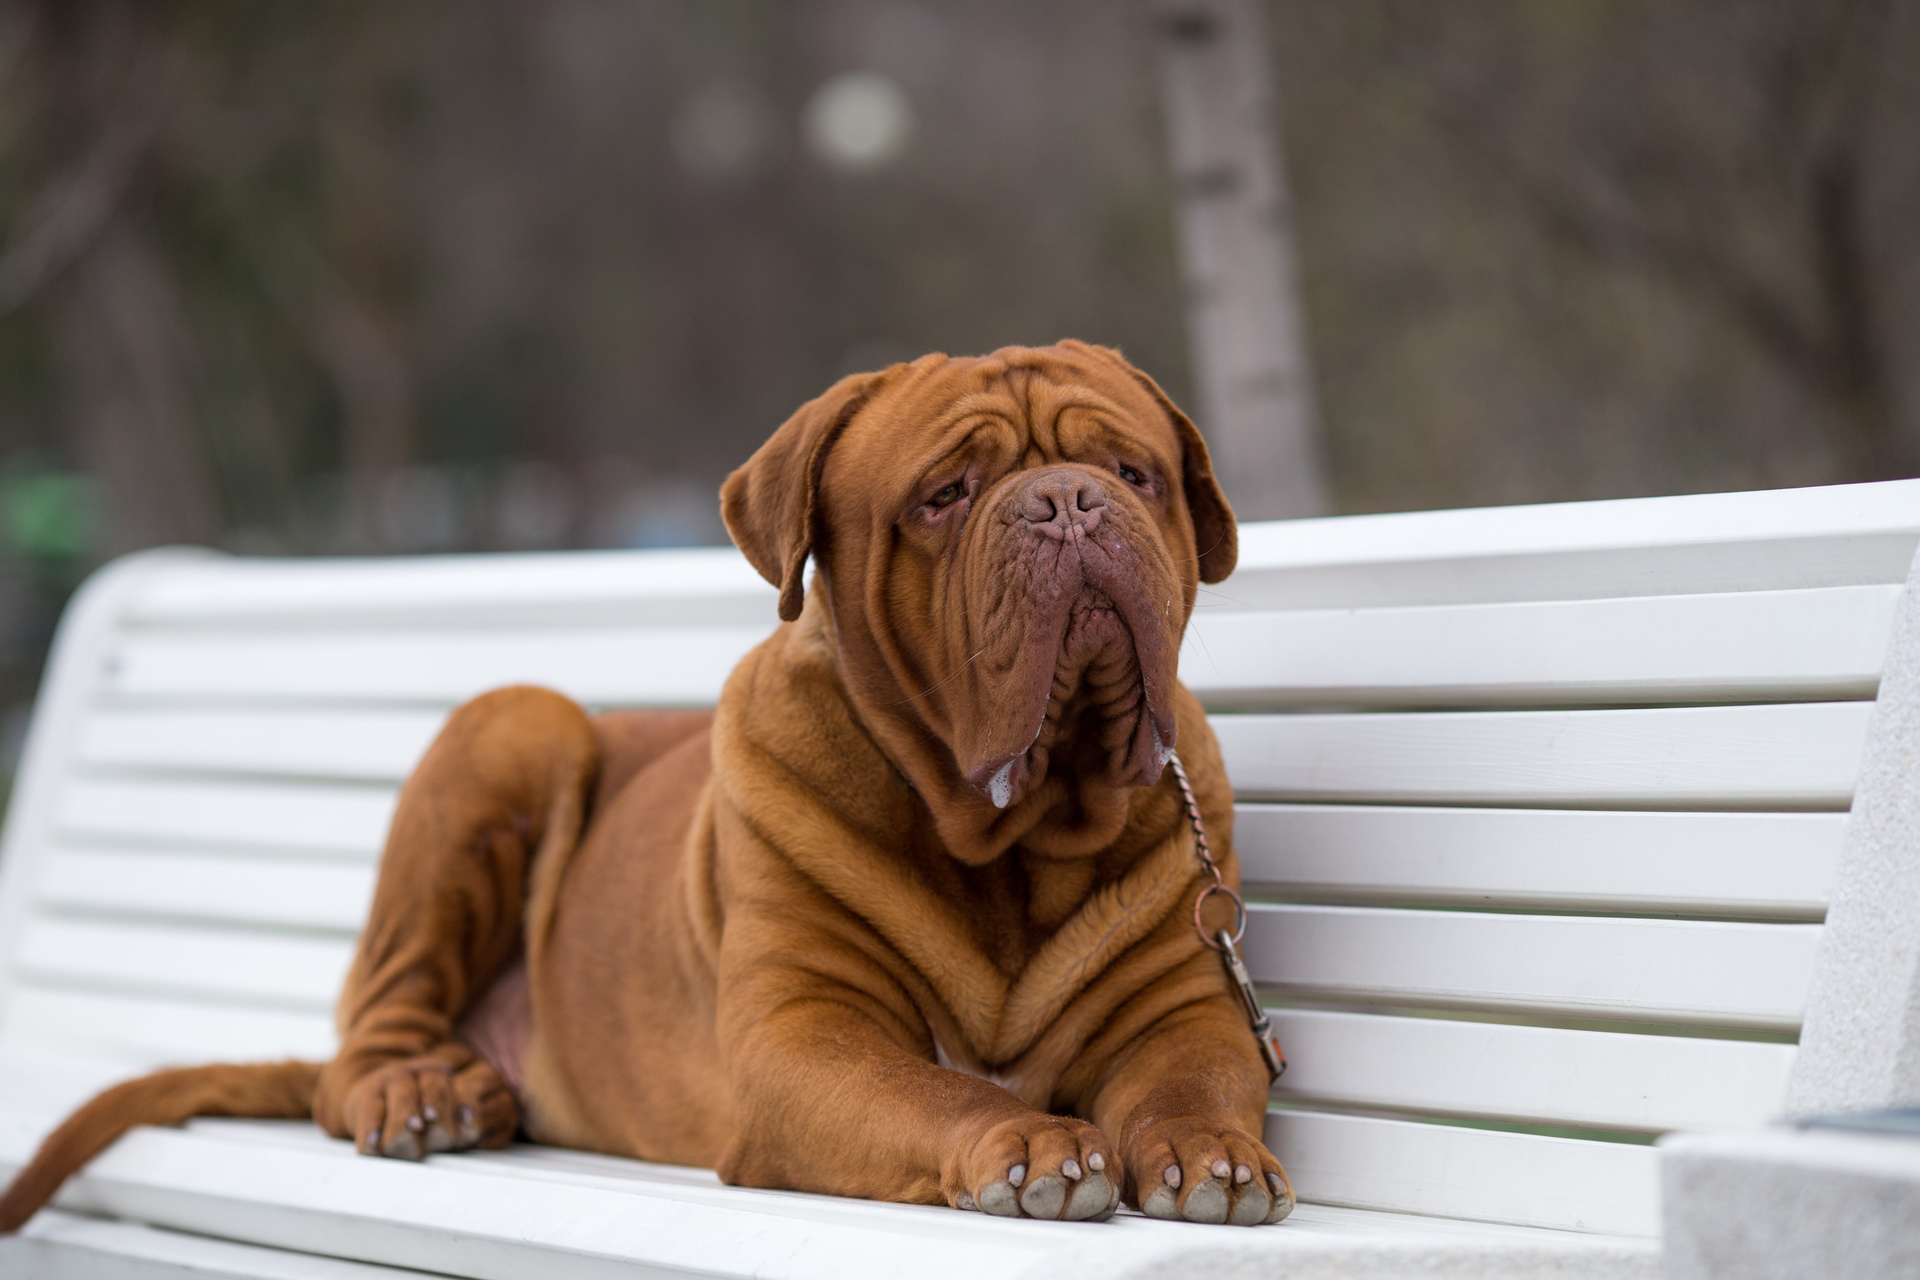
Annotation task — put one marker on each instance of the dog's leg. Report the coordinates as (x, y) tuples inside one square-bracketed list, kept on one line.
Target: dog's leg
[(506, 784), (1187, 1101), (830, 1100)]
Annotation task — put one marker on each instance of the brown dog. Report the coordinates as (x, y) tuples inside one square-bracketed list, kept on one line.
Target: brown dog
[(908, 917)]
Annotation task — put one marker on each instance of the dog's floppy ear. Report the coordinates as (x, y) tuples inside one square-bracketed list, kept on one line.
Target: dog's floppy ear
[(769, 502), (1215, 534)]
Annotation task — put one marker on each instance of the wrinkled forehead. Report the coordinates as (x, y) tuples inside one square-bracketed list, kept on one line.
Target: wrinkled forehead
[(929, 408)]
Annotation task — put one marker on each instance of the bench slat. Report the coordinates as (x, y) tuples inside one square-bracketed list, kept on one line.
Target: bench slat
[(565, 1216), (1791, 755), (1538, 1075), (66, 1246), (1705, 972), (128, 957), (682, 666), (1732, 647), (691, 587), (1520, 1178), (349, 821), (1796, 755), (1836, 536), (238, 890), (1768, 865), (145, 1032), (356, 745)]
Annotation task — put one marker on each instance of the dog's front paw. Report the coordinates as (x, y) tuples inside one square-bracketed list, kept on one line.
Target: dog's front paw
[(445, 1100), (1039, 1166), (1205, 1172)]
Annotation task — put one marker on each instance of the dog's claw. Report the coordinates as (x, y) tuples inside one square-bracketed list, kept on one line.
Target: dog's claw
[(1282, 1199)]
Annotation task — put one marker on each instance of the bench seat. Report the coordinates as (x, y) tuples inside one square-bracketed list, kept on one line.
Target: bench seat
[(1539, 813), (532, 1211)]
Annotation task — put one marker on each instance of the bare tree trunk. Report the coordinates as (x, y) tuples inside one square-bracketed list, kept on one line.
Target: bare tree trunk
[(1249, 352)]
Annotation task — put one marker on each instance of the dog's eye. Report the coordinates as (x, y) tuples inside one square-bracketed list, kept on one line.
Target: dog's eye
[(946, 497), (1130, 475)]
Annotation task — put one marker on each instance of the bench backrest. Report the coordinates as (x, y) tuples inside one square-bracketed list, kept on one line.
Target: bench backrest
[(1539, 807)]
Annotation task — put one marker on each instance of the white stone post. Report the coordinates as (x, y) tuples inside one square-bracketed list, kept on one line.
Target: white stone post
[(1860, 1044)]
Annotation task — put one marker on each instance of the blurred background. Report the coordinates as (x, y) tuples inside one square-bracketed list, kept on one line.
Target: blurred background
[(446, 275)]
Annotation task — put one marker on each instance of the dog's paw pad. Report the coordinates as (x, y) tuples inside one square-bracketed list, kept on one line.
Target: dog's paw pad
[(1044, 1197), (1250, 1209), (1207, 1202), (1000, 1199), (1094, 1199)]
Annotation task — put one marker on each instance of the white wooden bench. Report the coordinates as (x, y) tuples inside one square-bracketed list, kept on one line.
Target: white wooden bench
[(1541, 808)]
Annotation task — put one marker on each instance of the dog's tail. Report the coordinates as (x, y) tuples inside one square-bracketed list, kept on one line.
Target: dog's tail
[(270, 1090)]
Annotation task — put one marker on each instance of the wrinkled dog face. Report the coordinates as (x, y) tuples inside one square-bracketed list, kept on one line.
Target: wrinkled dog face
[(1012, 546), (1045, 531)]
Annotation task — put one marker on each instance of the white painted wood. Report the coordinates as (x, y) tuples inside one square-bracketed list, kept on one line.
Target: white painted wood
[(571, 1216), (144, 1030), (696, 587), (1789, 539), (213, 766), (348, 745), (1536, 1075), (310, 817), (1703, 972), (1787, 756), (86, 629), (1801, 755), (680, 666), (236, 890), (1825, 643), (1752, 646), (1760, 865), (288, 972), (66, 1246), (1411, 1167)]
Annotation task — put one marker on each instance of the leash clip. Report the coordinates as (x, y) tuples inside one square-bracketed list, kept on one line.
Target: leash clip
[(1227, 942)]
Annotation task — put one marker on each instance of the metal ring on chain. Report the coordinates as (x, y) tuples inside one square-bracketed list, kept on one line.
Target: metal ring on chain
[(1239, 916)]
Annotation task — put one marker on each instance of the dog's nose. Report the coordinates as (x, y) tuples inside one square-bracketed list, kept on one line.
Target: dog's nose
[(1063, 499)]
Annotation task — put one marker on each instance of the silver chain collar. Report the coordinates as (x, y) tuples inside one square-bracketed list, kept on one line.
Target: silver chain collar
[(1227, 942)]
